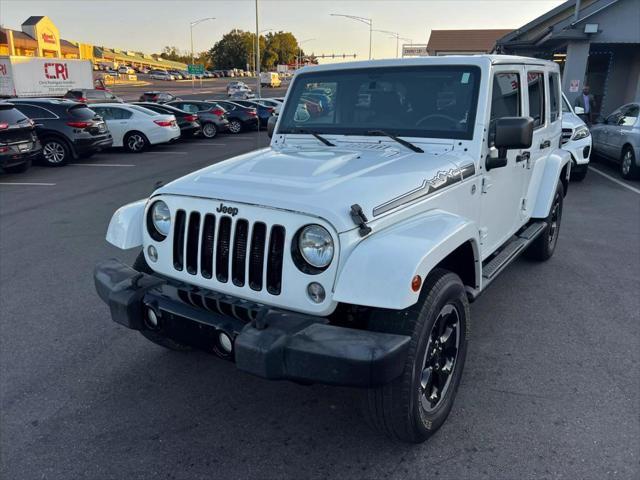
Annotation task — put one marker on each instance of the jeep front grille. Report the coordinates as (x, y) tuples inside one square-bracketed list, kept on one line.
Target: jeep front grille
[(229, 250), (566, 135)]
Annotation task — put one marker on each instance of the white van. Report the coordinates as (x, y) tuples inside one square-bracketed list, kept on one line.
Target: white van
[(270, 79)]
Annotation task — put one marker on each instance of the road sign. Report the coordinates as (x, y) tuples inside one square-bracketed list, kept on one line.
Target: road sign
[(195, 69), (414, 50)]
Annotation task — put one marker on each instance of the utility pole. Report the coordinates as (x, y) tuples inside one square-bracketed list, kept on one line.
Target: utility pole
[(191, 25), (257, 53)]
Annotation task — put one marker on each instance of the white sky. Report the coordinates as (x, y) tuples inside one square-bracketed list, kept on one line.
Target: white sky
[(149, 25)]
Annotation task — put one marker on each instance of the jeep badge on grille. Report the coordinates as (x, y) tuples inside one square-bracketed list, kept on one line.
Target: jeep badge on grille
[(230, 210)]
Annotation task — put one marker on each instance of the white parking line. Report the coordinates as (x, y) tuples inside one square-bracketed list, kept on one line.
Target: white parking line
[(207, 144), (28, 184), (102, 165), (615, 180)]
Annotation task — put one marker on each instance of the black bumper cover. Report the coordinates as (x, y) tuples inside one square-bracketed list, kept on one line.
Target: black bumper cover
[(278, 345)]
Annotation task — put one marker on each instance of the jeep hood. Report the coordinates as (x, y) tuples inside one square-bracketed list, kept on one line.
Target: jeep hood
[(319, 181)]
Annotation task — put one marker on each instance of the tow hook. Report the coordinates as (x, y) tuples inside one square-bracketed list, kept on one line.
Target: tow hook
[(360, 219)]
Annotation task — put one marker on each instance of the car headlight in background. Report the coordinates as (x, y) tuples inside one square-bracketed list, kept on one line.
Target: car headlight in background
[(580, 133), (314, 245), (159, 220)]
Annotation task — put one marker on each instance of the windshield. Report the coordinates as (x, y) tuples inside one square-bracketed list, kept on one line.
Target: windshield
[(425, 101), (565, 106)]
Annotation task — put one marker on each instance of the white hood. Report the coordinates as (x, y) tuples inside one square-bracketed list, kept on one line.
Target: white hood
[(321, 181)]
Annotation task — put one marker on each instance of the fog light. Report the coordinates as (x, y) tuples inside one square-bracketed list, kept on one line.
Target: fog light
[(151, 319), (225, 342), (153, 253), (316, 292)]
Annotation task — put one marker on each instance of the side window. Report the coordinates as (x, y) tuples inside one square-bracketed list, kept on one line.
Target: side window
[(103, 112), (189, 107), (33, 112), (554, 96), (120, 113), (505, 99), (629, 116), (535, 80)]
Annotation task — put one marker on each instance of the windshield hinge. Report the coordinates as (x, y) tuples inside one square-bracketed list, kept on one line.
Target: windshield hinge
[(360, 219)]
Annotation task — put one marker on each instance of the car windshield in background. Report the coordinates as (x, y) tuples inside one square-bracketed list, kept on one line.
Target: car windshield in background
[(424, 101), (82, 112)]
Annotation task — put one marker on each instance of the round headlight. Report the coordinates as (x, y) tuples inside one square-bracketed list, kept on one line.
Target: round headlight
[(316, 246), (161, 218)]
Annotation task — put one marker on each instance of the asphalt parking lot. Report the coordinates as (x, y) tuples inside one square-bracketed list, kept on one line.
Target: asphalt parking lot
[(550, 390)]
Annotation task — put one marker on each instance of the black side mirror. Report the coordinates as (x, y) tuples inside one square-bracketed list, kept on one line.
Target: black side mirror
[(510, 133), (271, 125)]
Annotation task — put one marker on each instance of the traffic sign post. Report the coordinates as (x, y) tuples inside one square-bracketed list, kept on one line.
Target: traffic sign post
[(195, 69)]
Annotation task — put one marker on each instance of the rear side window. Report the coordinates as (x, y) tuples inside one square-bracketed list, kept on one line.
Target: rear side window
[(143, 110), (120, 113), (96, 94), (82, 112), (535, 81), (554, 96), (34, 112), (11, 116)]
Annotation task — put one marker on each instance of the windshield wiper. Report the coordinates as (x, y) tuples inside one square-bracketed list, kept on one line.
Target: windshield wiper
[(402, 142), (317, 135)]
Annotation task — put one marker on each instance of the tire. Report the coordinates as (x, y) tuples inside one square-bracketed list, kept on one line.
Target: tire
[(235, 126), (23, 167), (142, 266), (579, 172), (628, 168), (209, 130), (55, 152), (543, 247), (411, 408), (135, 142)]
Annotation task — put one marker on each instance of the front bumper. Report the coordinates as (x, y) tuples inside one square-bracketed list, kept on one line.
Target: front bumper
[(580, 150), (274, 344)]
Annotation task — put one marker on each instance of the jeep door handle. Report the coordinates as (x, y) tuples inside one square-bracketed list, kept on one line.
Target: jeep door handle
[(523, 156), (545, 144)]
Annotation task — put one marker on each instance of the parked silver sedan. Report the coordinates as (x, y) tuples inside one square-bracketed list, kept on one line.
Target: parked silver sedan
[(618, 138)]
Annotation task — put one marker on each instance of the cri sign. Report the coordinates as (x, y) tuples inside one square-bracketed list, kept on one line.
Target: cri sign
[(56, 71), (49, 38)]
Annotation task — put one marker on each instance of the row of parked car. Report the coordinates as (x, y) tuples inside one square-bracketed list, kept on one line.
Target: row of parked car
[(56, 131)]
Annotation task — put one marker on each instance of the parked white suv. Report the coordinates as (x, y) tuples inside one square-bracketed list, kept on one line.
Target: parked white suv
[(348, 251), (576, 139)]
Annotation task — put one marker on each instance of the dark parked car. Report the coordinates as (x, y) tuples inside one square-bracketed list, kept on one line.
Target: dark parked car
[(19, 143), (157, 97), (617, 138), (92, 95), (212, 118), (240, 117), (66, 129), (189, 123), (265, 112)]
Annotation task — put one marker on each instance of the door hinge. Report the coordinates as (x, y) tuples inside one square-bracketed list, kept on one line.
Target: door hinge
[(483, 232), (486, 184), (523, 205)]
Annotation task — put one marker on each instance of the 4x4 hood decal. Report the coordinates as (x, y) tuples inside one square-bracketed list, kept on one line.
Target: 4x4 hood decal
[(325, 182)]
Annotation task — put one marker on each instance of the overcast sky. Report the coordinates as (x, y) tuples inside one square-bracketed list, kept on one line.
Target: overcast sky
[(149, 25)]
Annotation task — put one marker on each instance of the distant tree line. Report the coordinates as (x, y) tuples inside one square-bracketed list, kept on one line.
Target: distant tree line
[(236, 49)]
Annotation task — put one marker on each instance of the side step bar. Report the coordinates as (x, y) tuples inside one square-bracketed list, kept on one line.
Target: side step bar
[(510, 251)]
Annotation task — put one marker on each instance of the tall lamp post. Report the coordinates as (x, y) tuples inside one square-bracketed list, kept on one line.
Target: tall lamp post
[(367, 21), (397, 36), (191, 25), (300, 50)]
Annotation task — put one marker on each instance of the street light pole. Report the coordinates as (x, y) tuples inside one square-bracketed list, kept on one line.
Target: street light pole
[(300, 50), (257, 53), (395, 35), (367, 21), (191, 25)]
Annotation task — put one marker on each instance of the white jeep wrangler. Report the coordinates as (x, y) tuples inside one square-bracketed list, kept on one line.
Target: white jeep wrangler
[(347, 252)]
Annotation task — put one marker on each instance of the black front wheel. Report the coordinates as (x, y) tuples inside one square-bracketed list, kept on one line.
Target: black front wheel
[(414, 406), (209, 130), (235, 126), (55, 152)]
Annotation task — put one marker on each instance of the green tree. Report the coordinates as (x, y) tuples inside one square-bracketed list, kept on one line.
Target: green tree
[(281, 48), (234, 50)]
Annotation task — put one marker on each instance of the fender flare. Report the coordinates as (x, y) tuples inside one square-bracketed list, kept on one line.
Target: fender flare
[(125, 227), (554, 164), (379, 270)]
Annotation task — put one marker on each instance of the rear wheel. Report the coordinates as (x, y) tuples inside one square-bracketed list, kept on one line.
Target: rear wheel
[(135, 142), (55, 152), (628, 167), (235, 126), (543, 247), (209, 130), (23, 167), (156, 337), (412, 407)]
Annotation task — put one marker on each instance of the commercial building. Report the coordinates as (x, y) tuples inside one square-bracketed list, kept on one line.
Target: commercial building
[(596, 42), (39, 37), (463, 42)]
